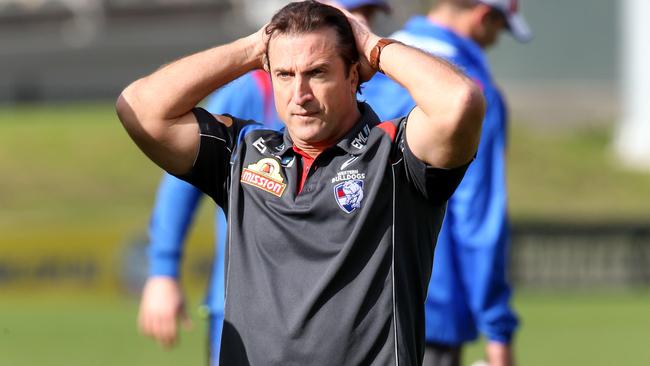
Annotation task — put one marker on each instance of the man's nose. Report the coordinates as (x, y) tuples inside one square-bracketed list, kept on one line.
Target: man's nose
[(302, 91)]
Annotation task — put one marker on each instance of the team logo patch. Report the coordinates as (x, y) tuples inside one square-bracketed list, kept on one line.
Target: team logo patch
[(349, 194), (265, 174)]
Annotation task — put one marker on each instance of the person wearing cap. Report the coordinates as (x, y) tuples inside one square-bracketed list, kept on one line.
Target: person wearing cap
[(162, 303), (468, 292)]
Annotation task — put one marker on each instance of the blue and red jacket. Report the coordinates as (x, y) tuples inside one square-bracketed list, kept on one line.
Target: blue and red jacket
[(468, 291)]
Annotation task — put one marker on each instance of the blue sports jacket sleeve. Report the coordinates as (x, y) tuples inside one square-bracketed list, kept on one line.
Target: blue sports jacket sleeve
[(479, 229), (173, 211)]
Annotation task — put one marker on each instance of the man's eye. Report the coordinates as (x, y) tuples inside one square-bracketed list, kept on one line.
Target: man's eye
[(283, 75)]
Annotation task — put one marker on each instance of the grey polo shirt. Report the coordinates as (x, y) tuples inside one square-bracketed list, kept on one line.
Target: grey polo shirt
[(338, 273)]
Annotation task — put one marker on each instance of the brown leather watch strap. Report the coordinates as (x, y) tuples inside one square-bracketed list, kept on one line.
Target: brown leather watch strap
[(375, 53)]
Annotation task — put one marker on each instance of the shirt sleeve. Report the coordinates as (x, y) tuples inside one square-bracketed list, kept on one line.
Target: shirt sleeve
[(435, 184), (211, 168)]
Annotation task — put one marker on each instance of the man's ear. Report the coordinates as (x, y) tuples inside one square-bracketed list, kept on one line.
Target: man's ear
[(354, 77), (265, 63), (482, 13)]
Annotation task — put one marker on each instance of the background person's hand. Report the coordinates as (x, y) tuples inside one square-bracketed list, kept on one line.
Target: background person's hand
[(162, 307)]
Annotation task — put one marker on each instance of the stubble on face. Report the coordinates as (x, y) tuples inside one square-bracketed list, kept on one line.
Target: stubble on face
[(313, 92)]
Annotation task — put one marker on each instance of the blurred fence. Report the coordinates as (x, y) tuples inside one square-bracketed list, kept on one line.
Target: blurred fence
[(550, 256), (570, 255), (66, 50)]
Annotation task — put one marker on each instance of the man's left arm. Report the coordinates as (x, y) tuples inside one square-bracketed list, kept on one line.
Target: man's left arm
[(444, 128)]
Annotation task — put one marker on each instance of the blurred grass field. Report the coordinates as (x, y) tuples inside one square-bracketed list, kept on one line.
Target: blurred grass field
[(568, 329), (73, 184)]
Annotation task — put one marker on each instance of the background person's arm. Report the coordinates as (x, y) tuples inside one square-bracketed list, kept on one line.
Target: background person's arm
[(499, 354), (163, 303)]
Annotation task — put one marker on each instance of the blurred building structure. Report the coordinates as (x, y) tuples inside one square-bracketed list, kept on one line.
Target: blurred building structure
[(80, 49), (633, 138), (53, 50)]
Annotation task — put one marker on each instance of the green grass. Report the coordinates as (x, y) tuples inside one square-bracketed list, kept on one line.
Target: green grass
[(70, 163), (73, 184), (572, 174), (580, 329), (81, 331), (557, 329)]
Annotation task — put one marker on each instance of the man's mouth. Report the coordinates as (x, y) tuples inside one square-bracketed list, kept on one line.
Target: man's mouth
[(305, 114)]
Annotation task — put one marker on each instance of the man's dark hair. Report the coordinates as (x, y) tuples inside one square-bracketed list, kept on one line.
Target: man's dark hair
[(308, 16)]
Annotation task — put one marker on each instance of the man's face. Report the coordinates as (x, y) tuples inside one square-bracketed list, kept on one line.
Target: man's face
[(314, 94), (486, 34)]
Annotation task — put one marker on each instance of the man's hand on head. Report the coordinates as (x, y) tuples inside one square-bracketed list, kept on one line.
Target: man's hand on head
[(261, 41), (365, 40)]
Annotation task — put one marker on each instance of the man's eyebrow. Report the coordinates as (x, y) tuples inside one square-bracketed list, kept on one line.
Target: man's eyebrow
[(279, 69), (320, 65)]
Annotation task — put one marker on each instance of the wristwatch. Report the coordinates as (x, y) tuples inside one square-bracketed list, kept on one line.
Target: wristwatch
[(375, 53)]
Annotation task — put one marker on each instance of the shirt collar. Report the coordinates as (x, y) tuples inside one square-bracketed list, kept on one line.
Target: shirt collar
[(354, 142)]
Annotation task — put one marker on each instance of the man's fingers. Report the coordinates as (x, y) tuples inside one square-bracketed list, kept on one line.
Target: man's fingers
[(145, 323), (166, 332), (186, 321), (161, 327)]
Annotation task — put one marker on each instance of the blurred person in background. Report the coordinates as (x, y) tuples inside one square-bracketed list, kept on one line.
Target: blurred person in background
[(162, 306), (468, 291)]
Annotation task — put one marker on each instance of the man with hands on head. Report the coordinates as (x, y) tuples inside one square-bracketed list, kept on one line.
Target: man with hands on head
[(330, 221), (162, 305)]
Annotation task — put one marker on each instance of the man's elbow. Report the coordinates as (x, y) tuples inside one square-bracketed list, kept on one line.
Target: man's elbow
[(134, 114), (472, 110), (463, 128), (125, 107)]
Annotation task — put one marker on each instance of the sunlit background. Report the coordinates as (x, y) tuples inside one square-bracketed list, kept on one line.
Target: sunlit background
[(76, 194)]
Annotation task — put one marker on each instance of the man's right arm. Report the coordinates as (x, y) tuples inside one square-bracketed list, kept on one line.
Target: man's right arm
[(156, 110)]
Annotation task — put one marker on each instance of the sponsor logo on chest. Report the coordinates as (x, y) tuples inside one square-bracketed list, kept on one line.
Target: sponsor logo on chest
[(265, 175)]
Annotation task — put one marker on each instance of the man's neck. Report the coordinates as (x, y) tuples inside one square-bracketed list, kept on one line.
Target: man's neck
[(457, 20)]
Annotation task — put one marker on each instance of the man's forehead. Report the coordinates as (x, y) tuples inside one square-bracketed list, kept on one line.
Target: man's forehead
[(324, 35), (313, 45)]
